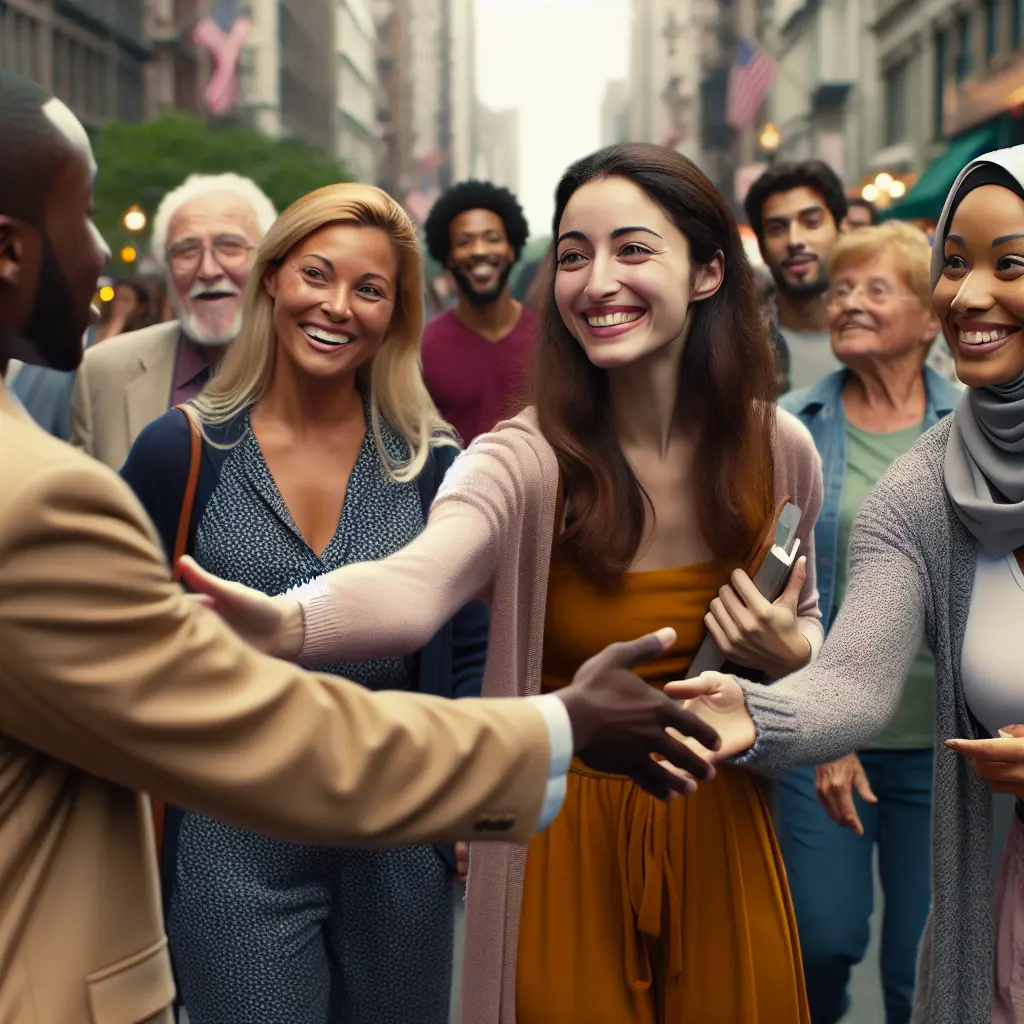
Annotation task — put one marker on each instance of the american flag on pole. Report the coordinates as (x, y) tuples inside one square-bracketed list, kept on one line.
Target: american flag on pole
[(223, 34), (749, 80)]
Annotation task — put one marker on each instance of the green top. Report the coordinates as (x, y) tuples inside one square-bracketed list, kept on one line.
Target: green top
[(868, 456)]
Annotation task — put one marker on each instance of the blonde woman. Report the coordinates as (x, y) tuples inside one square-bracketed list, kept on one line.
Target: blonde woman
[(322, 447)]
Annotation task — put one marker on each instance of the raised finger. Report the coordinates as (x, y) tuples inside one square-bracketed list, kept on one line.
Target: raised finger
[(748, 593), (725, 620), (989, 750), (718, 634), (700, 686), (628, 653), (744, 610), (848, 810)]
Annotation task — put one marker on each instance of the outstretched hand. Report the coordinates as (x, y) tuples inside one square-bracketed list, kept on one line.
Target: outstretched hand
[(999, 761), (270, 624), (619, 721), (717, 699)]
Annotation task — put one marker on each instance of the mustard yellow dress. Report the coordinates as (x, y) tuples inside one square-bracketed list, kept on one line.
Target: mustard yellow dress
[(637, 911)]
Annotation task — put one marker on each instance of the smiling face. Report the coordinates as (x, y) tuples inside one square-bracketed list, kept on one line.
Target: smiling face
[(799, 235), (980, 296), (211, 245), (874, 315), (624, 282), (480, 256), (334, 295)]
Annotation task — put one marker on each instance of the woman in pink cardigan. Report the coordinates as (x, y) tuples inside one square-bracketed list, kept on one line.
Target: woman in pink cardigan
[(633, 495)]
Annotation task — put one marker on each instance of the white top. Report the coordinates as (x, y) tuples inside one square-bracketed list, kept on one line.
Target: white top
[(992, 665)]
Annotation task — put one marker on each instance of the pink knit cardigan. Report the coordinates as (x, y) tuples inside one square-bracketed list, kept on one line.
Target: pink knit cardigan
[(490, 534)]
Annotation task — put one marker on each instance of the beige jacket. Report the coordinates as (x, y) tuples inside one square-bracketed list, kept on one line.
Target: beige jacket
[(113, 682), (123, 384)]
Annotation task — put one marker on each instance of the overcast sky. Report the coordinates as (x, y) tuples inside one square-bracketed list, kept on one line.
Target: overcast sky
[(550, 59)]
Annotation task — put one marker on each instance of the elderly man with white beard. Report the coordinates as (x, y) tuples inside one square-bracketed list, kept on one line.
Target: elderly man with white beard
[(205, 233)]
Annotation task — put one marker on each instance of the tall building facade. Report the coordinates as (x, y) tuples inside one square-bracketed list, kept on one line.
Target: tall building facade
[(178, 71), (951, 86), (288, 70), (497, 147), (356, 140), (431, 134), (826, 90), (615, 113), (664, 79), (90, 53), (396, 164)]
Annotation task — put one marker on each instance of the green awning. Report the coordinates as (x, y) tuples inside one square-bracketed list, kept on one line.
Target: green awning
[(926, 196)]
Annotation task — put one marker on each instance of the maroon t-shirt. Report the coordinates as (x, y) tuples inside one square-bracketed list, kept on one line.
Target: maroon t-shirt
[(473, 381)]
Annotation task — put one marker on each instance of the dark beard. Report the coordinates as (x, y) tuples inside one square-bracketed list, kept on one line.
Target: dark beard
[(478, 298), (800, 291), (52, 330)]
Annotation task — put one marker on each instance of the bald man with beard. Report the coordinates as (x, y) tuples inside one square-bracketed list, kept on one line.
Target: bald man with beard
[(112, 680)]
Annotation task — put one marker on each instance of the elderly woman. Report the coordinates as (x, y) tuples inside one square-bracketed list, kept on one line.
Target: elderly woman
[(862, 418)]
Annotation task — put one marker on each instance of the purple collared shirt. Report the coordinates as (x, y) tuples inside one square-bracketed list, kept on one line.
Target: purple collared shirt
[(192, 369)]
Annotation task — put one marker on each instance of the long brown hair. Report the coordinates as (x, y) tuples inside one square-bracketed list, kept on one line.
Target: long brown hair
[(726, 387)]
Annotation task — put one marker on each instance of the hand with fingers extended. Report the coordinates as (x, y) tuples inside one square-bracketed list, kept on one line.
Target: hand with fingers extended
[(270, 624), (999, 761), (754, 632), (717, 699), (619, 721), (835, 782)]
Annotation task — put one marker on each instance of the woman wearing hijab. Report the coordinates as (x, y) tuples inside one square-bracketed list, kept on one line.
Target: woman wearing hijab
[(938, 550)]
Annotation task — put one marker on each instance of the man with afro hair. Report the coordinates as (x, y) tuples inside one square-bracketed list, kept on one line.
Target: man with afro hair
[(475, 356)]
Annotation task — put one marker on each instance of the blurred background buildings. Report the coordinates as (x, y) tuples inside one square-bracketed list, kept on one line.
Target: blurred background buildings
[(894, 94)]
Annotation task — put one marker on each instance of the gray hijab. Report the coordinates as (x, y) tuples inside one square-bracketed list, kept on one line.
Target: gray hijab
[(984, 469)]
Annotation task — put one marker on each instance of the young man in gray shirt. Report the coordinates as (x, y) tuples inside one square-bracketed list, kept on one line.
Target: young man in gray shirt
[(796, 210)]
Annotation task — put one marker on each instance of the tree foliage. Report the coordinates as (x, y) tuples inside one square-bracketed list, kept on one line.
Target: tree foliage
[(140, 163)]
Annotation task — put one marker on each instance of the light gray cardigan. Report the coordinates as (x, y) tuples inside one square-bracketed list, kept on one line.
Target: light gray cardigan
[(912, 567)]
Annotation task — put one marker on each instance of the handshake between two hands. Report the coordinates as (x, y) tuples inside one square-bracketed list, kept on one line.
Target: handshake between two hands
[(665, 741)]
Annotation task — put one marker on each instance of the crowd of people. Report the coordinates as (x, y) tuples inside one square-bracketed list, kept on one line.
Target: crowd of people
[(480, 506)]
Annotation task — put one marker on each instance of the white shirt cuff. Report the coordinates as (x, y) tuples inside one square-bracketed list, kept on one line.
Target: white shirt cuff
[(556, 718)]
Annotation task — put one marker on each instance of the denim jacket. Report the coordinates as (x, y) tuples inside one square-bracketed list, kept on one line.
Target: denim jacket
[(820, 409)]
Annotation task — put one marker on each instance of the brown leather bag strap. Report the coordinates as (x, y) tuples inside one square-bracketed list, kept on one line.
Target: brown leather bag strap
[(189, 499)]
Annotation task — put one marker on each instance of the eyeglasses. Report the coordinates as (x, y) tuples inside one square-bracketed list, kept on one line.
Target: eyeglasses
[(229, 251), (876, 292)]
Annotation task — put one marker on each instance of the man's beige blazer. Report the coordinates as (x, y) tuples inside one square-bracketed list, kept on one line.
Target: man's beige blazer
[(123, 384), (114, 683)]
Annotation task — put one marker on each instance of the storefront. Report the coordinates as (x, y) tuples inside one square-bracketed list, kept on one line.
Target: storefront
[(978, 117)]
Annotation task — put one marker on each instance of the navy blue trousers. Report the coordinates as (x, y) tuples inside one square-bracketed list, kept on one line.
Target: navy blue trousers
[(266, 932), (831, 878)]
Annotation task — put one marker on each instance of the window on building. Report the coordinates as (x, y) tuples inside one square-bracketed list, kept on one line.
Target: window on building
[(61, 66), (939, 87), (129, 88), (991, 30), (964, 57), (895, 89)]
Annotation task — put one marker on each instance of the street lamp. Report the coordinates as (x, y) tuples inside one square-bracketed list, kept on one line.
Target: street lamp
[(897, 189), (769, 139), (134, 218), (884, 182), (870, 193)]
